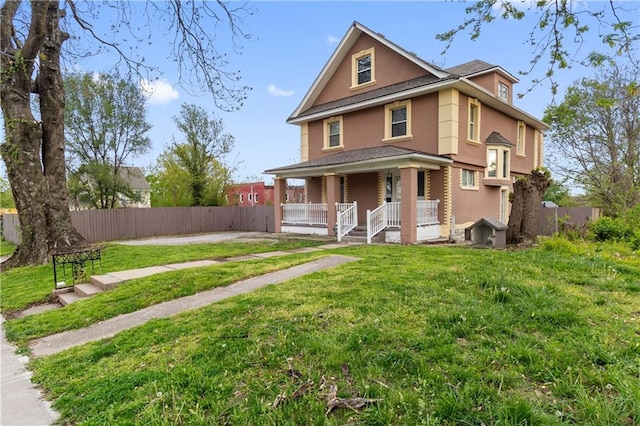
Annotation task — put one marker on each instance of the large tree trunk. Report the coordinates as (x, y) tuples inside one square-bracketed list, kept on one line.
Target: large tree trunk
[(527, 198), (34, 152)]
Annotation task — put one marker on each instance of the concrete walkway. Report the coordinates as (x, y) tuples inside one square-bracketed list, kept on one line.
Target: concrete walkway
[(22, 403), (59, 342)]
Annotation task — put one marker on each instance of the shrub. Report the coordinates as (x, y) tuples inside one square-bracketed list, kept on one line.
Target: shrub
[(607, 228)]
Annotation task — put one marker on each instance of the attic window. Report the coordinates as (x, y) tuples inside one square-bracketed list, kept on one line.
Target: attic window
[(503, 92), (363, 68)]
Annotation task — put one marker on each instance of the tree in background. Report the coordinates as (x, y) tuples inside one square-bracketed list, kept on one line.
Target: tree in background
[(559, 30), (595, 137), (559, 194), (6, 197), (31, 42), (105, 125), (196, 165)]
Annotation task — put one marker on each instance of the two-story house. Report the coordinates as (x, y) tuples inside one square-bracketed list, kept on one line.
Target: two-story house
[(391, 142)]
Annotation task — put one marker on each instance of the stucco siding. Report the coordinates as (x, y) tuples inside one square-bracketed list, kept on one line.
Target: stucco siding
[(390, 68), (363, 188)]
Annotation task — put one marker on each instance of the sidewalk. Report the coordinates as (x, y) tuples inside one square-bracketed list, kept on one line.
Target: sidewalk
[(22, 404)]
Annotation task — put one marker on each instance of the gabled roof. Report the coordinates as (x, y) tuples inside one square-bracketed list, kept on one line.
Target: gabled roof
[(478, 67), (360, 160), (436, 79), (340, 53), (134, 177)]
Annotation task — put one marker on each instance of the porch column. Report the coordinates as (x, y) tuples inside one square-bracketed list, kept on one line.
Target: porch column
[(279, 194), (333, 196), (408, 205)]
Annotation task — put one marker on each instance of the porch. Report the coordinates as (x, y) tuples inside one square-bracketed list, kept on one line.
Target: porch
[(312, 218), (384, 188)]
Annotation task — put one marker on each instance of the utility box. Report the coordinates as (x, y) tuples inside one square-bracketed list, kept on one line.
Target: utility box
[(489, 232)]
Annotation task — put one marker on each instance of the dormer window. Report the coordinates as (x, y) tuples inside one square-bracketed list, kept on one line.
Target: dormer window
[(363, 68), (503, 92)]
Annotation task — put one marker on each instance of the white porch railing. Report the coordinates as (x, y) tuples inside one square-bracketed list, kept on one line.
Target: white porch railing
[(388, 215), (427, 212), (305, 214), (393, 214), (347, 218), (376, 221)]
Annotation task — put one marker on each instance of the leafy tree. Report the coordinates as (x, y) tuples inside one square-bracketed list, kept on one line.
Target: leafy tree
[(31, 42), (559, 194), (559, 30), (193, 172), (105, 126), (595, 137)]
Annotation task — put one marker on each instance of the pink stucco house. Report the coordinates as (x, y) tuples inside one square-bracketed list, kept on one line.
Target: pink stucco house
[(392, 143)]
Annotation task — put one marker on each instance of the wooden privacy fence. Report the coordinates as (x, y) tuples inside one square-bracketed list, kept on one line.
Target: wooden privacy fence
[(575, 217), (131, 223)]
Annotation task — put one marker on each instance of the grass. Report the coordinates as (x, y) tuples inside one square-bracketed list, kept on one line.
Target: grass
[(24, 287), (6, 247), (431, 335)]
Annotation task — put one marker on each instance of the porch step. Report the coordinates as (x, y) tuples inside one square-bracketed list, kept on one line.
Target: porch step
[(359, 235)]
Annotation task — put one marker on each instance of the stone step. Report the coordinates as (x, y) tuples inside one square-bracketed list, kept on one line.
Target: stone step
[(105, 282), (86, 290), (67, 298)]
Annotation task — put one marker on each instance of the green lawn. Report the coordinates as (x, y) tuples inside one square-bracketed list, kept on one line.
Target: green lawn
[(430, 335), (23, 287)]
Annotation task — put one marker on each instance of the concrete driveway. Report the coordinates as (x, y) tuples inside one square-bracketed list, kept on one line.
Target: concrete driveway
[(195, 239)]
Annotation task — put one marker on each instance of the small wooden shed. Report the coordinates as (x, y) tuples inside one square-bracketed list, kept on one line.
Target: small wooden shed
[(489, 232)]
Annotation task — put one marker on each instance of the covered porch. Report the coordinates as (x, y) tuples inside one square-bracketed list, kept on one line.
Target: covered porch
[(391, 189)]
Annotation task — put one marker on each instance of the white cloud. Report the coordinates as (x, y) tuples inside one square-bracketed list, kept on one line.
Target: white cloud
[(333, 39), (275, 91), (158, 92)]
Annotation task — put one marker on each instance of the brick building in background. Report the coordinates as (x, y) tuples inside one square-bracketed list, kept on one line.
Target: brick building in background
[(258, 194)]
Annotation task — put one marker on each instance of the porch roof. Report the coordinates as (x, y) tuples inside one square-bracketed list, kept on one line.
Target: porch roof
[(362, 160)]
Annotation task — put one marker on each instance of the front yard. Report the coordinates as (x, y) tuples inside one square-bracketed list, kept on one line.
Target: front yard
[(427, 335)]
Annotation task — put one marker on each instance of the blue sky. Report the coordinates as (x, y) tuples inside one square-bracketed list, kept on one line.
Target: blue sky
[(291, 43)]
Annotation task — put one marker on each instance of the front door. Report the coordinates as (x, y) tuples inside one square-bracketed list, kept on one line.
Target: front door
[(393, 188)]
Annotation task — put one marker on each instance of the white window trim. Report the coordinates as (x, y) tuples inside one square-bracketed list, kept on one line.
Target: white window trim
[(325, 125), (521, 142), (475, 138), (241, 198), (475, 187), (387, 121), (499, 163), (354, 68)]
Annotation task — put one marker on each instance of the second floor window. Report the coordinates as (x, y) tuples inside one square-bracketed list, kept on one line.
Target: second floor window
[(333, 132), (498, 163), (399, 122), (522, 128), (474, 120)]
